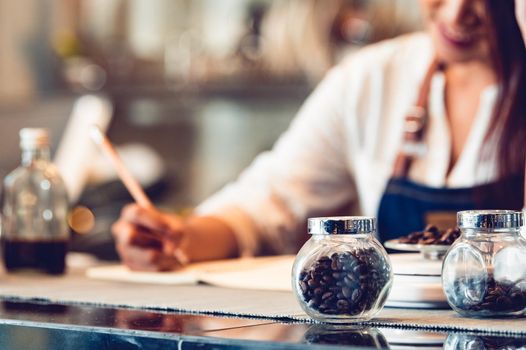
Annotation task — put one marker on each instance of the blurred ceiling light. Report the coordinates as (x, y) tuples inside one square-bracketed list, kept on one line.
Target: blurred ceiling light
[(92, 77), (81, 72), (81, 220)]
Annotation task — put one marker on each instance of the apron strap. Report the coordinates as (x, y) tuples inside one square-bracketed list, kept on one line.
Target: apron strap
[(414, 126)]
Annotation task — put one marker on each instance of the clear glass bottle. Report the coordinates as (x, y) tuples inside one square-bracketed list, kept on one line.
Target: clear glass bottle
[(484, 271), (342, 274), (35, 232)]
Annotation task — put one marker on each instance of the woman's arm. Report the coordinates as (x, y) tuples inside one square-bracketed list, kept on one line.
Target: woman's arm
[(305, 173)]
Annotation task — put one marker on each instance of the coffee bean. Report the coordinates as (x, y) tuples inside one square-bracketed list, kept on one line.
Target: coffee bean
[(342, 304), (517, 298), (327, 278), (313, 304), (324, 259), (303, 287), (349, 281), (356, 294), (313, 283), (336, 264), (356, 270), (326, 295), (337, 275)]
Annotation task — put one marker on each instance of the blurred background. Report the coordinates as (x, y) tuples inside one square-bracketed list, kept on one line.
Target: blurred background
[(190, 90)]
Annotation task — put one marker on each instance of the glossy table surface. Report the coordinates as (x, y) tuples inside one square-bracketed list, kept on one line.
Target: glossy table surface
[(50, 326)]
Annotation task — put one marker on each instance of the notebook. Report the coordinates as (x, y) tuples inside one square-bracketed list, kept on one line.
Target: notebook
[(262, 273)]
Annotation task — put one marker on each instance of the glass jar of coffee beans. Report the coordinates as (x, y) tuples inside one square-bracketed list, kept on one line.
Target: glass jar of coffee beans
[(342, 274), (484, 271)]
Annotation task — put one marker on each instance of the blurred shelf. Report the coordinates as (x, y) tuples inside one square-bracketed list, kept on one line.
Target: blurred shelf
[(217, 89)]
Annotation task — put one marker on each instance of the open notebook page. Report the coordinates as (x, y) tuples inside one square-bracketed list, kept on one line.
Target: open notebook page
[(264, 273)]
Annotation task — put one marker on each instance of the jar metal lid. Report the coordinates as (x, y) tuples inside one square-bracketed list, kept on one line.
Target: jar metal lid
[(489, 219), (341, 225)]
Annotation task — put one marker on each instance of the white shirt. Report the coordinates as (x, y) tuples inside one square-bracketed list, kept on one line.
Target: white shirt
[(341, 147)]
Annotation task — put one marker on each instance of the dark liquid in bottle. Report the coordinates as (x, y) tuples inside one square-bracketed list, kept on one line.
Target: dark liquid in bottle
[(44, 256)]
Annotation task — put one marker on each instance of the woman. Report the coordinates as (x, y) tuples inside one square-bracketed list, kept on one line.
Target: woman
[(405, 130)]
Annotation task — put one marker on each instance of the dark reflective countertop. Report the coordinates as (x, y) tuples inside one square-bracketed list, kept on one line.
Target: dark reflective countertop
[(37, 325)]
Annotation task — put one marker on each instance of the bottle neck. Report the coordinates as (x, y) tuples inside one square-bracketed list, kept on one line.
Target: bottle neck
[(31, 155)]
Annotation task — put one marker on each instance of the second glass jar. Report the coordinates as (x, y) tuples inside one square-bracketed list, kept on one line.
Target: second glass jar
[(342, 274), (484, 271)]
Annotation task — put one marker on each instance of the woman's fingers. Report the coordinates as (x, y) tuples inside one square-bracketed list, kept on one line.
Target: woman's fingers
[(153, 220), (130, 234), (147, 217), (146, 259)]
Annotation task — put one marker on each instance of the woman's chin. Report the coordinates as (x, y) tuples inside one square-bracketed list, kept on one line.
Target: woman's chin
[(450, 52), (449, 55)]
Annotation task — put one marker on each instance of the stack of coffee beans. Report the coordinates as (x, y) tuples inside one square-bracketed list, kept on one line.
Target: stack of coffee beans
[(473, 295), (345, 283), (431, 235)]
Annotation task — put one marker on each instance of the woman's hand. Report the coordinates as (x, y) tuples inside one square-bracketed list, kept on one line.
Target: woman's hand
[(520, 13), (147, 239)]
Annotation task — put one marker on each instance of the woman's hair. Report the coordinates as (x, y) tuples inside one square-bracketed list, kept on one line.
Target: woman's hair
[(509, 119)]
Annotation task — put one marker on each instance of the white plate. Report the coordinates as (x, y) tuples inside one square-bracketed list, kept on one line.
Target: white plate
[(429, 251)]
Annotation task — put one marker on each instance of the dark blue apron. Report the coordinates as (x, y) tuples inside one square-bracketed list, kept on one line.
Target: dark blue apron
[(406, 206)]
